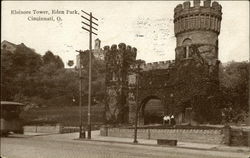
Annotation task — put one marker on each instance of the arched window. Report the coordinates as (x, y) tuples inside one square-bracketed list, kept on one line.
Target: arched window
[(186, 44)]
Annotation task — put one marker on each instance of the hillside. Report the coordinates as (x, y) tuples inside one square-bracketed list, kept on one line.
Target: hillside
[(66, 115)]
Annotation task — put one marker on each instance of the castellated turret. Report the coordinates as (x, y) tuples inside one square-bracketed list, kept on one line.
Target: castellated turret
[(197, 24), (118, 60)]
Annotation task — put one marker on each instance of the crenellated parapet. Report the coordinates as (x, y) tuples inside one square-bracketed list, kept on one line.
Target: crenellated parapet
[(157, 65), (118, 60), (120, 53), (197, 17)]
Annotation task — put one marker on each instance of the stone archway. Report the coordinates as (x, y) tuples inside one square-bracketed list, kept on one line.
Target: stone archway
[(151, 110)]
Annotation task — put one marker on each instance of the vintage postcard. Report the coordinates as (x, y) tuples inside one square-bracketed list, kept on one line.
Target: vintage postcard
[(106, 79)]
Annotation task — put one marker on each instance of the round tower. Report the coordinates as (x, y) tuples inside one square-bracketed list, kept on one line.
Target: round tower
[(197, 25)]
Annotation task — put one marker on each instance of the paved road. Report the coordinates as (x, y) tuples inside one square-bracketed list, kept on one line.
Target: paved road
[(55, 147)]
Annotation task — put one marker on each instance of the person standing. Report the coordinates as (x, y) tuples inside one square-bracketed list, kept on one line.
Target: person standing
[(172, 120), (166, 120)]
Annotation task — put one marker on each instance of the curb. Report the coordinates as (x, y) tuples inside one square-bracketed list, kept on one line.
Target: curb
[(155, 145)]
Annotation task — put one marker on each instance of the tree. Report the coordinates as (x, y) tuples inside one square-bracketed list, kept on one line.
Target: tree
[(7, 75), (18, 69), (234, 90), (49, 58), (30, 78)]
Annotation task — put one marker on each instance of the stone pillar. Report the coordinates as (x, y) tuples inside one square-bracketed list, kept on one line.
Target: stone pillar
[(59, 127), (104, 131), (227, 134)]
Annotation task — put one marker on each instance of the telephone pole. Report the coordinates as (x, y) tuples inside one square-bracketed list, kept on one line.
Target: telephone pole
[(89, 29)]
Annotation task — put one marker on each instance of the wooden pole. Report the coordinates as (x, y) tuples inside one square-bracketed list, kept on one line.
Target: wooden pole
[(80, 96), (90, 76)]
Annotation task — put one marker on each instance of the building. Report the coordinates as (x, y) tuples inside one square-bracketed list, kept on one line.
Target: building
[(98, 52), (5, 45), (186, 86)]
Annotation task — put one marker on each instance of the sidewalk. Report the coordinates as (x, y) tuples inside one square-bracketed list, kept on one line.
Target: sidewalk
[(95, 136)]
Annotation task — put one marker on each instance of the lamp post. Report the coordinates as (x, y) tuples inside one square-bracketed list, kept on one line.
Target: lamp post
[(137, 101), (172, 102), (137, 109)]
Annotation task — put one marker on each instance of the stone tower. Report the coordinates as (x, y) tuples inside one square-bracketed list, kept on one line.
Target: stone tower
[(97, 44), (197, 25), (118, 61), (197, 29)]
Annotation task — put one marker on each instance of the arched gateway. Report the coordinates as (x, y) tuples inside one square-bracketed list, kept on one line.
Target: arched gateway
[(190, 81), (151, 110)]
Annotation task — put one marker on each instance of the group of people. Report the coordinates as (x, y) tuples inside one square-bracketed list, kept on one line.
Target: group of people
[(169, 120)]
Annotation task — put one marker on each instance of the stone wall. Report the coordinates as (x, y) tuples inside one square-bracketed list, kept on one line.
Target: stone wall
[(42, 129), (226, 135), (239, 137), (211, 136)]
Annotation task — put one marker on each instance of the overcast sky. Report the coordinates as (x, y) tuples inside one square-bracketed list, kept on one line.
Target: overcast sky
[(146, 25)]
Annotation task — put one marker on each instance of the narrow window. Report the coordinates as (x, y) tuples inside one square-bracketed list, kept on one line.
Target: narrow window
[(186, 44)]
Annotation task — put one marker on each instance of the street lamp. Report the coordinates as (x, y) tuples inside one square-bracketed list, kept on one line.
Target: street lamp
[(137, 68), (172, 102)]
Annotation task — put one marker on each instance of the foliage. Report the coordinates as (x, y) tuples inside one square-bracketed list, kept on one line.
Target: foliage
[(66, 115), (234, 77), (18, 71), (206, 109), (43, 81), (50, 58)]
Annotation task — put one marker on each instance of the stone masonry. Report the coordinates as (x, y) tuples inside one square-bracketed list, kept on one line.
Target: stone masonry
[(188, 82)]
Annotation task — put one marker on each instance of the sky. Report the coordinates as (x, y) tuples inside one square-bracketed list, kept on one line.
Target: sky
[(146, 25)]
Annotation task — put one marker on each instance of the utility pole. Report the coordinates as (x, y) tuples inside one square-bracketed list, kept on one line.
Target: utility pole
[(89, 29), (137, 99)]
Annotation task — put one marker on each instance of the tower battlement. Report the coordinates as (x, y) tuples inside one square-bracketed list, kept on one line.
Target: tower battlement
[(121, 47), (157, 65), (197, 17)]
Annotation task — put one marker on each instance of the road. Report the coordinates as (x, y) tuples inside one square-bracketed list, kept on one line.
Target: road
[(55, 147)]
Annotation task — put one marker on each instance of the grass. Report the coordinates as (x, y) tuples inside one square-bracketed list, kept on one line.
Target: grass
[(66, 115)]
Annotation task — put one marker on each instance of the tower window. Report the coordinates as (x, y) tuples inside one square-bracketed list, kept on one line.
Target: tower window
[(186, 52), (186, 44)]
